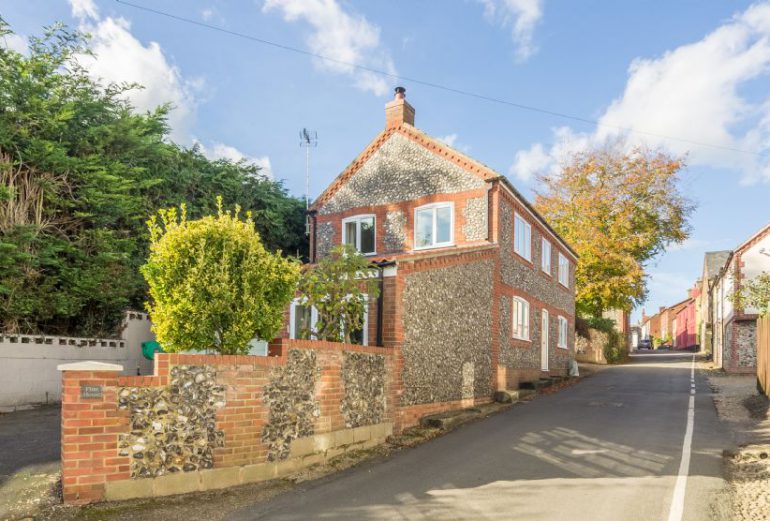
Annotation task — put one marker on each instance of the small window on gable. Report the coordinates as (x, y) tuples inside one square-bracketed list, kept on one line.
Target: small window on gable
[(434, 225), (522, 237), (563, 330), (545, 253), (520, 318), (358, 231), (563, 270)]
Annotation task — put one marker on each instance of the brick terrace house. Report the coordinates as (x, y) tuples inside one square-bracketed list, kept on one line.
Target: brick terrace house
[(734, 339), (478, 291)]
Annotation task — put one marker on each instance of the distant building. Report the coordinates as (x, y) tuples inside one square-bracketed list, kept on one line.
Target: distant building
[(713, 262), (734, 330), (684, 329)]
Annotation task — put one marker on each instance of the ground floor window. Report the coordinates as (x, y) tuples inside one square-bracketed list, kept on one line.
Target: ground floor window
[(303, 320), (563, 329), (520, 318)]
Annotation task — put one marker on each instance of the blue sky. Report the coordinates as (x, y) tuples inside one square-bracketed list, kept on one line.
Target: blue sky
[(694, 70)]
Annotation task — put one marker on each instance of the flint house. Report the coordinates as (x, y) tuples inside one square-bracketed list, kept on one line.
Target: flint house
[(478, 291)]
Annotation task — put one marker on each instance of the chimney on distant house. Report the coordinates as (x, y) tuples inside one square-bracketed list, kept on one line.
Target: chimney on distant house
[(399, 110), (661, 309)]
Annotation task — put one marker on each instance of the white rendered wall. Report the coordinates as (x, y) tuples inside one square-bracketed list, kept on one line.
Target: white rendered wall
[(28, 373), (755, 261)]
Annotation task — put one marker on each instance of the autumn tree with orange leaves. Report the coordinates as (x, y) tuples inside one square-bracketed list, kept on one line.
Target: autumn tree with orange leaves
[(618, 209)]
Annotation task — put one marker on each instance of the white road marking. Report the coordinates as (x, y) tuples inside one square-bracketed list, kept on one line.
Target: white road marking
[(677, 502), (578, 452)]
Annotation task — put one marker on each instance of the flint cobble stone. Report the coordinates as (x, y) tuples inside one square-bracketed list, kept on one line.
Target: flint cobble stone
[(448, 331), (400, 170)]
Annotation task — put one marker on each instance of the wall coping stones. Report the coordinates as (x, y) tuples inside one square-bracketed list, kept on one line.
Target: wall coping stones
[(89, 365)]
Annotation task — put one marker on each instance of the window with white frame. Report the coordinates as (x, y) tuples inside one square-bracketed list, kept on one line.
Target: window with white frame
[(358, 231), (563, 270), (361, 336), (522, 237), (302, 319), (520, 318), (545, 253), (434, 225), (563, 328)]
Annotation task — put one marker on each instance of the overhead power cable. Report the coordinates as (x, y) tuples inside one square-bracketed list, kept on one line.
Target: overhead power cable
[(434, 85)]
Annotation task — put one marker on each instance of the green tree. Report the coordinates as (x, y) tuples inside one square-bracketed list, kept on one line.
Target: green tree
[(754, 293), (213, 284), (338, 288), (618, 210), (80, 173)]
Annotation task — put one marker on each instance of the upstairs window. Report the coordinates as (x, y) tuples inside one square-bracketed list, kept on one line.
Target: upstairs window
[(563, 270), (433, 225), (545, 253), (522, 237), (563, 333), (358, 231), (520, 318)]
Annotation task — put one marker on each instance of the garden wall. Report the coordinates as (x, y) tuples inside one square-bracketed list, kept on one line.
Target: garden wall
[(203, 422), (591, 350), (28, 374)]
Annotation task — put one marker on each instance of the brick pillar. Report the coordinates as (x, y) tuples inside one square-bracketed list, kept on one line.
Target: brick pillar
[(90, 423)]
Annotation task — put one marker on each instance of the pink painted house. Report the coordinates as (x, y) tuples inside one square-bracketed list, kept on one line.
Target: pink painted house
[(684, 326)]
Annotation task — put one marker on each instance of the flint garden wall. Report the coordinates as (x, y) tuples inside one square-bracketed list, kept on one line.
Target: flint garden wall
[(203, 422)]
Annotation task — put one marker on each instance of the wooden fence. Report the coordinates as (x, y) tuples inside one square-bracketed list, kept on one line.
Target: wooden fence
[(763, 353)]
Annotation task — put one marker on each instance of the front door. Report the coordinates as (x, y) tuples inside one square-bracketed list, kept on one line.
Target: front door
[(544, 329)]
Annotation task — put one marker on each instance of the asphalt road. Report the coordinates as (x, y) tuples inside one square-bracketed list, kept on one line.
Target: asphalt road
[(608, 448), (29, 439)]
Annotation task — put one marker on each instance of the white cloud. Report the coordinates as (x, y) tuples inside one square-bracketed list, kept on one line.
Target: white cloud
[(121, 57), (207, 14), (530, 162), (84, 9), (222, 151), (692, 92), (16, 42), (448, 140), (343, 36), (522, 16)]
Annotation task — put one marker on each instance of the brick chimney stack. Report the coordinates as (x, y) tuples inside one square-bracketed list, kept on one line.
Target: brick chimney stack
[(399, 110)]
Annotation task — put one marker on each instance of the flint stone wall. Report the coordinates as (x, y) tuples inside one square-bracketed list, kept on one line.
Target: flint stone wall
[(448, 332), (290, 396), (395, 231), (173, 428), (400, 170), (364, 380), (517, 274), (746, 343), (476, 215), (324, 239)]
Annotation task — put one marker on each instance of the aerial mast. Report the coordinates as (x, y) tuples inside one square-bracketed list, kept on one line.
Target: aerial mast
[(307, 139)]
